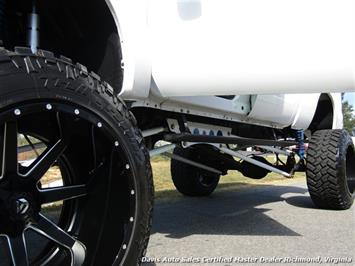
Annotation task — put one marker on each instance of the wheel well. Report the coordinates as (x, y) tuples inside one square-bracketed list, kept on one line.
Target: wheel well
[(84, 31), (323, 118)]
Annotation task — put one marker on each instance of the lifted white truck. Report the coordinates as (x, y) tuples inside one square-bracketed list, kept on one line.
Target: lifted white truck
[(213, 79)]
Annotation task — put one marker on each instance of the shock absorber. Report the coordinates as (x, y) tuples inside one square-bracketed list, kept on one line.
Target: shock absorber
[(300, 148), (33, 29), (300, 145)]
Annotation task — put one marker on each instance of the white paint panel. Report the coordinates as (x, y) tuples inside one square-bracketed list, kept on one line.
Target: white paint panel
[(222, 47), (337, 109), (306, 110), (279, 109)]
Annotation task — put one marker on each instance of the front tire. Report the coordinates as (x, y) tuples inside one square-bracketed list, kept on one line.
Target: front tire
[(105, 191), (331, 169)]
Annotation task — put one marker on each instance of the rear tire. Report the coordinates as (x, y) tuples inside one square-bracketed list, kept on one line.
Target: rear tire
[(189, 180), (331, 169), (108, 188)]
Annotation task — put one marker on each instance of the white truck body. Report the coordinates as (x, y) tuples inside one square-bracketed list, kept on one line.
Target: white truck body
[(228, 47), (178, 54)]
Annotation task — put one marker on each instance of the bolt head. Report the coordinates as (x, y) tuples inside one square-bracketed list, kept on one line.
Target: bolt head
[(116, 143), (49, 106), (76, 111), (127, 166), (99, 124), (17, 112), (132, 192), (124, 246), (131, 219)]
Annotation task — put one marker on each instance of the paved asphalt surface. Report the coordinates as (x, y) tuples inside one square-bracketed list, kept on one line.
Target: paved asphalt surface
[(261, 222)]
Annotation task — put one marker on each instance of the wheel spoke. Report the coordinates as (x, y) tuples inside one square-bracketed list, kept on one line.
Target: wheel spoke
[(62, 193), (18, 250), (9, 157), (46, 160), (53, 232)]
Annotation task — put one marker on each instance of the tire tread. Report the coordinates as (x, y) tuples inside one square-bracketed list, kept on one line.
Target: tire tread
[(23, 60), (325, 184)]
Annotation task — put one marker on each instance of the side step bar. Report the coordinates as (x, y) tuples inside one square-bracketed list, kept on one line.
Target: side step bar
[(227, 140)]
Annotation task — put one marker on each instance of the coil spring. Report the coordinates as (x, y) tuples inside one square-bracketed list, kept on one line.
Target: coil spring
[(301, 145)]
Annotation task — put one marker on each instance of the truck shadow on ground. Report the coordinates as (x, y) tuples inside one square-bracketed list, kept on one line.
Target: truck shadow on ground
[(226, 212), (301, 202)]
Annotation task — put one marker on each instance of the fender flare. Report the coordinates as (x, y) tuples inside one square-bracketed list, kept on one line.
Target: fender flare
[(130, 17)]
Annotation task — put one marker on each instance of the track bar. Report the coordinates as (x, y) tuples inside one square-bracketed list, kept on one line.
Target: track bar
[(162, 149), (279, 151), (165, 150), (227, 140), (152, 131), (198, 165), (255, 162)]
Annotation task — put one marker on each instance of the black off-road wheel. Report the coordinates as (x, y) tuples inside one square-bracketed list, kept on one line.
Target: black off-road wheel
[(190, 180), (331, 169), (85, 196)]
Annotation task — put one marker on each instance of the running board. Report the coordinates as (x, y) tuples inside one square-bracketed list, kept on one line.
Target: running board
[(227, 140)]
